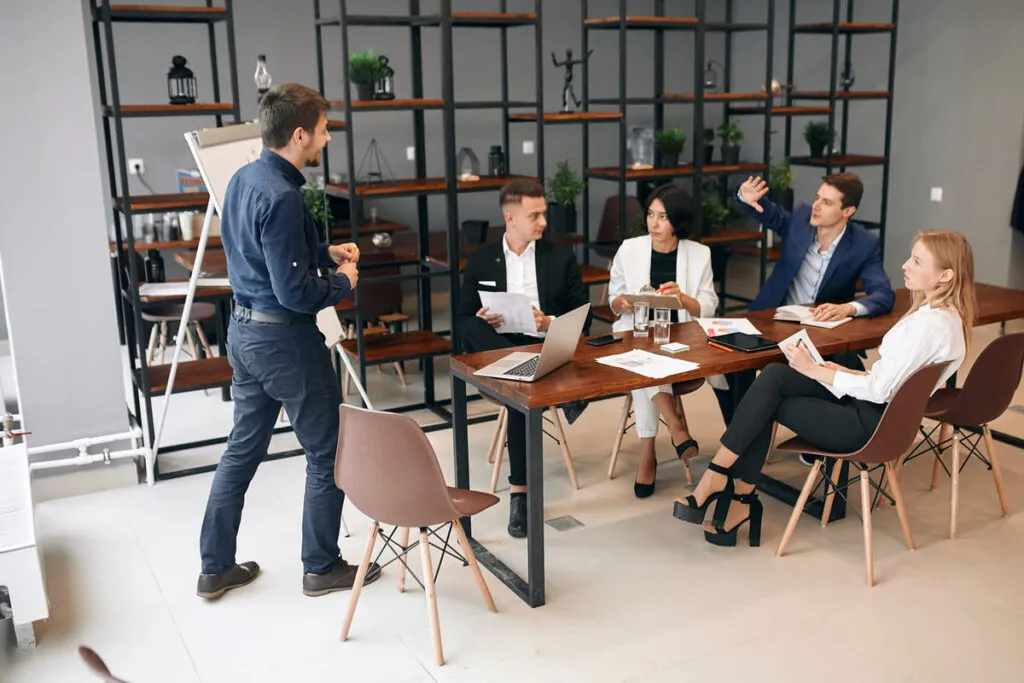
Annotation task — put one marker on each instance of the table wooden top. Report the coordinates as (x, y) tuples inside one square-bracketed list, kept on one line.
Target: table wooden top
[(585, 378)]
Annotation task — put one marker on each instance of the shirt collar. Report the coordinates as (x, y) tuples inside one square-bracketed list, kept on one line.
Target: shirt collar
[(832, 247), (284, 166), (530, 249)]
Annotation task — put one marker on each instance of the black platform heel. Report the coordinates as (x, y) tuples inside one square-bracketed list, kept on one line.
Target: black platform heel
[(693, 513), (721, 537)]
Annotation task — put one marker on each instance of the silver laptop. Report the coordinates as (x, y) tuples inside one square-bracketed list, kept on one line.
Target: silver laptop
[(559, 346)]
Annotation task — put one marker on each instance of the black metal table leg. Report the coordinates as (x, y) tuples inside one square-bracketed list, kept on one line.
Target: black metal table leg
[(535, 505), (460, 441)]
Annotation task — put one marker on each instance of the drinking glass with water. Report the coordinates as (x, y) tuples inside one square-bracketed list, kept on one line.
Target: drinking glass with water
[(640, 323), (662, 325)]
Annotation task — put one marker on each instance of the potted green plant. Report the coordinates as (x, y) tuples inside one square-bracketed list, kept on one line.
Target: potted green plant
[(319, 207), (818, 136), (364, 70), (731, 134), (780, 184), (713, 213), (709, 146), (670, 144), (563, 190)]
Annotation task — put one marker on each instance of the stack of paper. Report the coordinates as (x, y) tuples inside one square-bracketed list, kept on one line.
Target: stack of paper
[(805, 316), (648, 364), (714, 327)]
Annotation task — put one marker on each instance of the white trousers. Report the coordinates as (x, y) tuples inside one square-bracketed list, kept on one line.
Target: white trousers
[(645, 413)]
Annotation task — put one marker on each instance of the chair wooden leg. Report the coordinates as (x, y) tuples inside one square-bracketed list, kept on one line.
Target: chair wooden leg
[(499, 453), (619, 434), (944, 430), (348, 383), (798, 509), (901, 508), (997, 472), (865, 503), (563, 444), (954, 496), (163, 340), (471, 558), (830, 495), (191, 343), (403, 539), (428, 585), (357, 587), (151, 349), (204, 341), (502, 416), (401, 374), (771, 445)]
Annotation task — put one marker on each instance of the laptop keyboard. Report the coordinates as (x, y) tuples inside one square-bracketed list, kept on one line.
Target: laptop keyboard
[(525, 369)]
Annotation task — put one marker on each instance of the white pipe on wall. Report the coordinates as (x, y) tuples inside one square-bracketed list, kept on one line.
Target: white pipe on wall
[(81, 444), (87, 459)]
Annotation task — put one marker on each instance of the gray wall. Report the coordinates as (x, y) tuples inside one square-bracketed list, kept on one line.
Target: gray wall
[(58, 292)]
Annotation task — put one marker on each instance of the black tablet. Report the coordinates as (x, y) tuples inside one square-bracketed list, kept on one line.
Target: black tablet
[(744, 342)]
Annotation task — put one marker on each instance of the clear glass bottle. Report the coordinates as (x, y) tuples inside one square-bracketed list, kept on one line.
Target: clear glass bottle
[(262, 77)]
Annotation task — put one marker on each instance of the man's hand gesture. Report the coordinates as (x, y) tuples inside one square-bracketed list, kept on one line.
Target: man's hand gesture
[(752, 190)]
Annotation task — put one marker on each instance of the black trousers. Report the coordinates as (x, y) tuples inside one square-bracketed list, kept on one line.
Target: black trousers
[(482, 337), (781, 394), (738, 381)]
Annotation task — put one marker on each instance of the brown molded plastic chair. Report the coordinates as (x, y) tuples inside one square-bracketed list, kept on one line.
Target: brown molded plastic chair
[(679, 389), (893, 436), (609, 233), (986, 394), (97, 666), (399, 482)]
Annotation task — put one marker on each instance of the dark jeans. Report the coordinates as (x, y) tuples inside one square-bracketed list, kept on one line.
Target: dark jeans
[(781, 394), (277, 365)]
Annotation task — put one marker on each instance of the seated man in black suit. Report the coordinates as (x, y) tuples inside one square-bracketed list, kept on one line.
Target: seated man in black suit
[(524, 263)]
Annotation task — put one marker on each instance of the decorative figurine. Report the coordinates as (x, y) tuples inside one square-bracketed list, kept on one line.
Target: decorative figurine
[(377, 165), (848, 77), (568, 94)]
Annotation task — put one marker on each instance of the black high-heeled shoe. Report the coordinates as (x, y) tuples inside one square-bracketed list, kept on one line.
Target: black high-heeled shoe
[(693, 513), (721, 537), (685, 446), (646, 490)]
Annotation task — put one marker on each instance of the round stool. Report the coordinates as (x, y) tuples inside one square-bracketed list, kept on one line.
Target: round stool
[(167, 313)]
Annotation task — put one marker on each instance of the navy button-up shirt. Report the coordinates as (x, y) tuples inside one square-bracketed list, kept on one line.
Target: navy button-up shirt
[(271, 242)]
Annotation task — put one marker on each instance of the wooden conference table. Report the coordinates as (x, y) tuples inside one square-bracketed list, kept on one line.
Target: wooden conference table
[(585, 378)]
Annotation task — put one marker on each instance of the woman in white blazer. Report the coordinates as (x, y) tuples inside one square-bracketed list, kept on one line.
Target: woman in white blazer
[(665, 259)]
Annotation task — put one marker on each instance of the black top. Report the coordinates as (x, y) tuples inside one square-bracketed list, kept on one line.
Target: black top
[(663, 269)]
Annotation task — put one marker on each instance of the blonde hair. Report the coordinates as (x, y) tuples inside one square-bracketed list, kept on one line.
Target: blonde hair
[(951, 251)]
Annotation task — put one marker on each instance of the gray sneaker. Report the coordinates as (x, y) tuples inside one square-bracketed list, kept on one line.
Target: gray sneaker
[(212, 586), (340, 578)]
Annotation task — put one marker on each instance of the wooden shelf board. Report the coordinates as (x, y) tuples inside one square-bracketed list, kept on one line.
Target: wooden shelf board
[(420, 186), (840, 160), (211, 241), (192, 375), (562, 117), (337, 124), (773, 252), (840, 94), (387, 348), (727, 235), (782, 111), (716, 97), (155, 203), (398, 105), (197, 109), (592, 275), (643, 22), (164, 13), (612, 173), (845, 27)]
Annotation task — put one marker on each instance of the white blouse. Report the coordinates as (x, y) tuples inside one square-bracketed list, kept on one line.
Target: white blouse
[(928, 335)]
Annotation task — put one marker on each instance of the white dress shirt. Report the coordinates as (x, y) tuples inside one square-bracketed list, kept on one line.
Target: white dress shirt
[(928, 335), (805, 285), (521, 273)]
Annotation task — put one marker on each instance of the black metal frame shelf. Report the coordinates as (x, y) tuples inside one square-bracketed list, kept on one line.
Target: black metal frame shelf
[(421, 186), (195, 374)]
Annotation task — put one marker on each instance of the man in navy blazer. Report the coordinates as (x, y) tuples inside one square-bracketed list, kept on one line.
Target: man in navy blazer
[(824, 255)]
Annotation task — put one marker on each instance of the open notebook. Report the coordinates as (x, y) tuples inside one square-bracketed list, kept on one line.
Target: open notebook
[(803, 315)]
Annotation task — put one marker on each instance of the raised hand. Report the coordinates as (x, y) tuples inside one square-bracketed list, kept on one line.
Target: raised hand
[(752, 190)]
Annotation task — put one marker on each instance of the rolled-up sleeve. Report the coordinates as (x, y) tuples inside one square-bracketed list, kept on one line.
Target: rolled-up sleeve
[(293, 278)]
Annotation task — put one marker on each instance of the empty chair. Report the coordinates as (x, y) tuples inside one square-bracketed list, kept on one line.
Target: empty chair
[(397, 481), (892, 437), (498, 439)]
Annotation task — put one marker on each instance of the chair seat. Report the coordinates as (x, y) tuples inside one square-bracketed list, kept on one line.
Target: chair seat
[(687, 387), (201, 310), (470, 502), (941, 402), (798, 445)]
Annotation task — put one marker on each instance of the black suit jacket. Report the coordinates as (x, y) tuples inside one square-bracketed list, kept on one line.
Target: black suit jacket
[(560, 287)]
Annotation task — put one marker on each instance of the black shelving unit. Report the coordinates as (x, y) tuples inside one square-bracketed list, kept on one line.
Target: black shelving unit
[(423, 343), (845, 29), (196, 374), (659, 24)]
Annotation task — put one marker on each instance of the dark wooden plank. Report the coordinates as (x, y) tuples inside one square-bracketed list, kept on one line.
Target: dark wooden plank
[(845, 27), (158, 9), (612, 172), (642, 22), (839, 160), (782, 111), (420, 186), (211, 241), (592, 275), (183, 109), (727, 235), (388, 348), (840, 94), (371, 105), (192, 375), (715, 96), (562, 117), (166, 202)]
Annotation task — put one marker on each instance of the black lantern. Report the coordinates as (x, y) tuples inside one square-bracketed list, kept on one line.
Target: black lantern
[(181, 82), (711, 75), (385, 87)]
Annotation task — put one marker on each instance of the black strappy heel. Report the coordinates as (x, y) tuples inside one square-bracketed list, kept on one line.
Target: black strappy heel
[(685, 446), (693, 513), (721, 537)]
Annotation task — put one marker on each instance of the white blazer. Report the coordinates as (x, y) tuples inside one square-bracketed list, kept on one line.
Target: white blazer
[(631, 270)]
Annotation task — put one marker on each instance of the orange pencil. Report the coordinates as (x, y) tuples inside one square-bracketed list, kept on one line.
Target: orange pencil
[(719, 346)]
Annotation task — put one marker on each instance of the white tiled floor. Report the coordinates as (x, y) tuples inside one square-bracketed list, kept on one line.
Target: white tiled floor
[(632, 595)]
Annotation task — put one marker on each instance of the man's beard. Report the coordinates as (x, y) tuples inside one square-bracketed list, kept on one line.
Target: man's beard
[(314, 162)]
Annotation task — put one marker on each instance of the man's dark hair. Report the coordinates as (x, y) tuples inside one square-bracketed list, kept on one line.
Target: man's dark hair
[(678, 207), (287, 107), (850, 186), (514, 190)]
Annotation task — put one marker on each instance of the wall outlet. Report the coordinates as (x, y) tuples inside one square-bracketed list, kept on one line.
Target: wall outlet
[(410, 154), (527, 146), (136, 167), (936, 194)]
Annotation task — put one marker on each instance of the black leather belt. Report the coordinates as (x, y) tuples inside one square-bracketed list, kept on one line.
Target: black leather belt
[(247, 314)]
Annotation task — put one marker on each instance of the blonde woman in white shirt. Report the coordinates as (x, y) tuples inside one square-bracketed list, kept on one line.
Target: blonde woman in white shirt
[(831, 406), (665, 259)]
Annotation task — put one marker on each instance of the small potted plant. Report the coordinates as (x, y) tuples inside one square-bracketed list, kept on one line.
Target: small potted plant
[(713, 213), (731, 134), (709, 146), (364, 70), (780, 184), (563, 191), (319, 207), (670, 145), (818, 136)]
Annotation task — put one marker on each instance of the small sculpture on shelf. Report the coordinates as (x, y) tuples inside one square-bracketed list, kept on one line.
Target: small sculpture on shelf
[(262, 77), (641, 147), (569, 98), (181, 82), (778, 91), (468, 165), (377, 162), (385, 89), (711, 74), (848, 77)]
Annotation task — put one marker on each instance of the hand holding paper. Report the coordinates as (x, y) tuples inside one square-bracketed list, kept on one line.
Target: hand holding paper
[(515, 310)]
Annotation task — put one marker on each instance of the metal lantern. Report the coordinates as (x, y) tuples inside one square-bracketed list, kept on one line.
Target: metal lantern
[(385, 87), (711, 74), (181, 82), (468, 164)]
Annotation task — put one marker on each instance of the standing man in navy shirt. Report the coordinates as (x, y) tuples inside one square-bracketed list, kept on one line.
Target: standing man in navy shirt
[(281, 276)]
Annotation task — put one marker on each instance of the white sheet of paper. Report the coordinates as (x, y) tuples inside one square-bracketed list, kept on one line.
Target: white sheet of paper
[(648, 364), (801, 336), (714, 327), (514, 308)]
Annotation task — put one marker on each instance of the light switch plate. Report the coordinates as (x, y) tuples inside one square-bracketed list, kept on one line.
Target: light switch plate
[(936, 194), (527, 146)]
